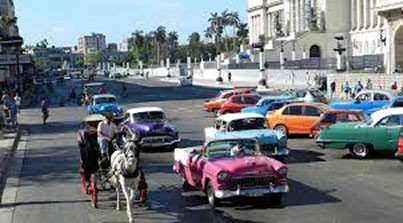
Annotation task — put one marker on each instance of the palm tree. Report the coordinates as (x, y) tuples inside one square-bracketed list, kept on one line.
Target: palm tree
[(243, 32), (234, 21), (172, 42), (225, 15), (216, 28), (160, 36)]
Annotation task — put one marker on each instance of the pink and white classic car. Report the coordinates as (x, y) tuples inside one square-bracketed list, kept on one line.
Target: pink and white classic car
[(230, 168)]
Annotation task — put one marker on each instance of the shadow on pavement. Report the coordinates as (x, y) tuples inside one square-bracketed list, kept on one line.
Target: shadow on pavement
[(30, 203), (305, 156)]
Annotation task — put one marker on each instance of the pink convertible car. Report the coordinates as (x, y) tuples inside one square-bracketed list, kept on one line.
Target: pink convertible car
[(231, 168)]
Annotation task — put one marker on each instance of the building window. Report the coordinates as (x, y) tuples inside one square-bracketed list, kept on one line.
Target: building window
[(314, 51)]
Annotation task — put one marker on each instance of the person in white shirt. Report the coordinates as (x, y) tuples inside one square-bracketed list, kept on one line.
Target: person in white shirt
[(107, 130), (17, 100)]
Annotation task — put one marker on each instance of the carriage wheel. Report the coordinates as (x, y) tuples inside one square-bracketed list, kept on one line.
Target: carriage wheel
[(94, 191)]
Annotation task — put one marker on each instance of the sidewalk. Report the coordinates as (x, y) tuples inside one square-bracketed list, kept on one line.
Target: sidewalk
[(7, 146)]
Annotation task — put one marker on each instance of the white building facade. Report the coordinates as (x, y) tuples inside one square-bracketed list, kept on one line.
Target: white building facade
[(298, 29)]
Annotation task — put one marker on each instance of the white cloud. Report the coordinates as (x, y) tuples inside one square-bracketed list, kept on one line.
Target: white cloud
[(59, 30)]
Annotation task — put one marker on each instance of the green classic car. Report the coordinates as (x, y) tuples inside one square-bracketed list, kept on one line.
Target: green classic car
[(380, 132)]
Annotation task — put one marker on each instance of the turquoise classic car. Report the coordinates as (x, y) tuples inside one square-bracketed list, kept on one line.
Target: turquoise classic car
[(380, 132), (250, 125)]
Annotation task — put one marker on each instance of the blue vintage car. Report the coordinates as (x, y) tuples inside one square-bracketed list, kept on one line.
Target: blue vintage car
[(149, 128), (395, 103), (366, 100), (105, 103), (269, 103), (250, 125)]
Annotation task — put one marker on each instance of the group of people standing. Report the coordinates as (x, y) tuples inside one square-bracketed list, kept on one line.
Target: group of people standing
[(350, 92), (11, 106)]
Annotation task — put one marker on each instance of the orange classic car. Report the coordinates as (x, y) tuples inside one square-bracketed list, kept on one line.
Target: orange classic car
[(296, 118), (213, 105)]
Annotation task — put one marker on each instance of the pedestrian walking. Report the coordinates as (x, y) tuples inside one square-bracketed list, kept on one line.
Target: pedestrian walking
[(332, 89), (394, 86), (18, 102), (124, 89), (346, 90), (45, 110), (229, 76), (369, 85), (358, 88), (13, 111)]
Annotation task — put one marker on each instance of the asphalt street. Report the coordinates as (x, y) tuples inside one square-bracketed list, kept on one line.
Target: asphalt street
[(326, 186)]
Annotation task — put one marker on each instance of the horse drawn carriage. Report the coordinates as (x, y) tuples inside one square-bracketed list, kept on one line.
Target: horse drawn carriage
[(120, 170)]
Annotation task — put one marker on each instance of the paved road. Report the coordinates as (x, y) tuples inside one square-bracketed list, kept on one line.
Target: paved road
[(326, 186)]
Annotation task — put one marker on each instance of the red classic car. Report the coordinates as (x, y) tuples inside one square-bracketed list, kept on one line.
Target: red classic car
[(213, 105), (229, 168), (238, 102), (334, 116)]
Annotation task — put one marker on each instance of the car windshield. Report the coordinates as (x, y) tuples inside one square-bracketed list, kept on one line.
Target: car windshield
[(397, 104), (247, 124), (105, 100), (317, 94), (231, 149), (154, 116)]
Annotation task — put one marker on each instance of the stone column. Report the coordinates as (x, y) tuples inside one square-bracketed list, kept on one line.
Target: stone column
[(372, 13), (353, 14), (168, 67), (189, 63), (359, 14), (365, 14), (292, 16), (297, 15)]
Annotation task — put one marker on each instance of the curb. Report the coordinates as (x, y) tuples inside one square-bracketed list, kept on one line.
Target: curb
[(9, 196), (6, 161)]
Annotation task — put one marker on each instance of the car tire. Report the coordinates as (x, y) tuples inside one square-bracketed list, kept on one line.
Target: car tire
[(186, 186), (281, 128), (276, 199), (212, 200), (215, 111), (360, 151)]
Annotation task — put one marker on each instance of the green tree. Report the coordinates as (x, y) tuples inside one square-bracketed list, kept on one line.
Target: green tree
[(92, 59), (160, 36), (242, 33)]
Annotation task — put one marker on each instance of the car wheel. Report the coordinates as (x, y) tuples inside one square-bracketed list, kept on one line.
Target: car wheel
[(185, 185), (212, 200), (360, 151), (276, 199), (215, 111), (281, 128)]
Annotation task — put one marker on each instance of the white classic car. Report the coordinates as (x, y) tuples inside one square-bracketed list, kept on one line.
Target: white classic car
[(250, 125)]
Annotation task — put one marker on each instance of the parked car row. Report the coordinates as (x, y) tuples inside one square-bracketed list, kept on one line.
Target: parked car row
[(339, 125)]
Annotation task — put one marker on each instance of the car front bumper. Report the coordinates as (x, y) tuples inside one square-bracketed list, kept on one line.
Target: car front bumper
[(159, 144), (255, 192)]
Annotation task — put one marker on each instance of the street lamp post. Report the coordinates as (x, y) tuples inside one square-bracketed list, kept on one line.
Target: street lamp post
[(219, 79), (339, 50), (260, 47)]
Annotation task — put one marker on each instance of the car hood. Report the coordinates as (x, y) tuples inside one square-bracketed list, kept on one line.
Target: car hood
[(107, 107), (253, 109), (153, 127), (263, 136), (251, 165)]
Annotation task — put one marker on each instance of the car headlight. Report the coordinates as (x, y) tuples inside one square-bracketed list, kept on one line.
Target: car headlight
[(283, 171), (222, 176)]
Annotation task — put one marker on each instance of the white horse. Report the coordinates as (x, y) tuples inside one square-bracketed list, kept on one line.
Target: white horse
[(125, 167)]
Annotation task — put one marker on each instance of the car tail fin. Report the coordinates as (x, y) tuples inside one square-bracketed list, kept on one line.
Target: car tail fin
[(400, 145)]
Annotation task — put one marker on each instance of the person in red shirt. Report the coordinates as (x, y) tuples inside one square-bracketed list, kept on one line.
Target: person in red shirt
[(394, 86)]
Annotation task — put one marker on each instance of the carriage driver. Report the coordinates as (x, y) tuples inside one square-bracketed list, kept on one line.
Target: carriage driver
[(107, 130)]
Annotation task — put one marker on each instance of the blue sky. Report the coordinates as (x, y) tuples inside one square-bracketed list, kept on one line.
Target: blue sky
[(63, 21)]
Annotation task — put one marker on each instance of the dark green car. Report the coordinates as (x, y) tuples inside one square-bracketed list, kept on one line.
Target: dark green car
[(380, 132)]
